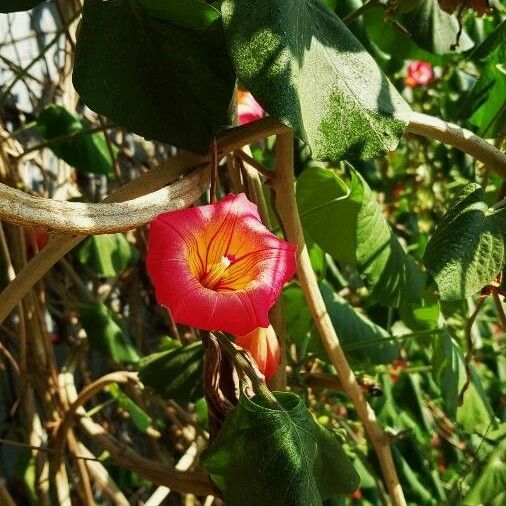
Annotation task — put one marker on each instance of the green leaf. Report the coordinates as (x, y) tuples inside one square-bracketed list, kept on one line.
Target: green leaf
[(476, 414), (175, 374), (277, 456), (310, 72), (108, 254), (448, 370), (466, 251), (299, 322), (135, 65), (423, 315), (433, 29), (87, 152), (491, 481), (190, 14), (490, 43), (105, 335), (139, 417), (18, 5), (489, 114), (355, 330), (346, 221), (396, 43)]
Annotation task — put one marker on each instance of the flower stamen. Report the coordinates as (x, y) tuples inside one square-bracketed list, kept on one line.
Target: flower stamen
[(214, 277)]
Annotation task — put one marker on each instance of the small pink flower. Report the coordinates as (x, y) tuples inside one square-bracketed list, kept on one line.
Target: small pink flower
[(248, 109), (217, 267), (263, 346), (419, 74)]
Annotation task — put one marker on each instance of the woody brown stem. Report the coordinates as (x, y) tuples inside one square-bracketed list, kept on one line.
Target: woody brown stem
[(283, 184)]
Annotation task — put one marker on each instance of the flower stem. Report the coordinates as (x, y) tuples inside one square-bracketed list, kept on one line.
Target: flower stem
[(283, 184), (259, 385)]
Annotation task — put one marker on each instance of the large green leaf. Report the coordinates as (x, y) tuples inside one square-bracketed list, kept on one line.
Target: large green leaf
[(105, 335), (435, 30), (108, 254), (18, 5), (277, 456), (85, 152), (346, 221), (138, 66), (309, 71), (356, 330), (466, 251), (175, 374)]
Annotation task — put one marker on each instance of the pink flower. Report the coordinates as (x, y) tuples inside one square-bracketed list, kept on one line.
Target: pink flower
[(248, 109), (263, 346), (419, 74), (217, 267)]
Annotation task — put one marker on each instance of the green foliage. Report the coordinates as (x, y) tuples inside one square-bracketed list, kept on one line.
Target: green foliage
[(87, 152), (139, 417), (434, 30), (307, 70), (466, 251), (18, 5), (266, 455), (347, 222), (105, 335), (490, 487), (449, 370), (136, 65), (108, 255), (355, 331), (488, 94), (175, 374)]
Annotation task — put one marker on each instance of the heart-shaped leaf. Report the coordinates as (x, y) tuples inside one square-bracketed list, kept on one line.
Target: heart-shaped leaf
[(137, 65), (346, 221), (466, 251), (266, 455), (309, 71)]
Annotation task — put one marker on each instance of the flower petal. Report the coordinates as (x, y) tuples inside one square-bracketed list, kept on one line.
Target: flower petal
[(217, 267), (263, 346)]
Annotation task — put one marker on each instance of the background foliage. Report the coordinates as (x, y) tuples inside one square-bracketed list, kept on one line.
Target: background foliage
[(406, 235)]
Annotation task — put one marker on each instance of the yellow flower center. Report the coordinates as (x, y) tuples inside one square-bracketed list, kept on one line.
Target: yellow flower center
[(217, 274)]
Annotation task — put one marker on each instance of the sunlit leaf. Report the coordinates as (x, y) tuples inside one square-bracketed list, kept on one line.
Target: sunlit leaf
[(309, 71), (466, 251), (346, 221)]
